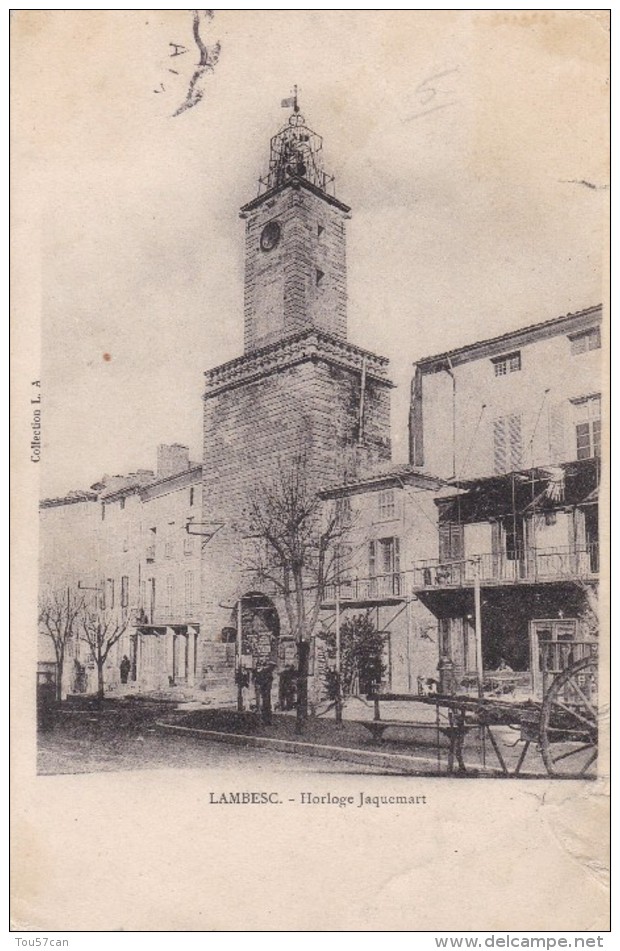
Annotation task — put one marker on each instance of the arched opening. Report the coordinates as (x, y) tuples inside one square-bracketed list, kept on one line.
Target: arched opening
[(259, 617)]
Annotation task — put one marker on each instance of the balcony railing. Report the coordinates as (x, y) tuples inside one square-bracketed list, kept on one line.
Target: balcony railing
[(387, 587), (520, 566), (181, 615)]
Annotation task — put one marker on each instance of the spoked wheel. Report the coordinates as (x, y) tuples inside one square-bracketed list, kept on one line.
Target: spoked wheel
[(569, 722)]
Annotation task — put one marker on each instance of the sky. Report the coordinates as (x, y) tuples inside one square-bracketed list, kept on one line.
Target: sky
[(471, 146)]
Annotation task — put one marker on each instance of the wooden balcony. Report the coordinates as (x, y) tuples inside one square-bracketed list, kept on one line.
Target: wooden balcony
[(367, 592), (528, 566)]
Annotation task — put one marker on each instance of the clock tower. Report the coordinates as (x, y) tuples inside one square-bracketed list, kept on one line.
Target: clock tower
[(295, 263), (301, 394)]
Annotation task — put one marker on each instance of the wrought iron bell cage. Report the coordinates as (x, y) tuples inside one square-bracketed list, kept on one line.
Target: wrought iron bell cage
[(296, 152)]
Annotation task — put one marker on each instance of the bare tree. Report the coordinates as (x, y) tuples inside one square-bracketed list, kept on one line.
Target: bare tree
[(296, 551), (58, 619), (101, 630)]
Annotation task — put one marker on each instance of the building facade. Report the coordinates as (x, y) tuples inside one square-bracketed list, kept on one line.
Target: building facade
[(123, 547), (390, 524), (514, 424)]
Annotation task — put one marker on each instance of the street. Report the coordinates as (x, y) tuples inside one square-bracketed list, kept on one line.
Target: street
[(62, 752)]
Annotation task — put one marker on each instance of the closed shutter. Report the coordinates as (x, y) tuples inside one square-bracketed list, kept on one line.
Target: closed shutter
[(557, 427), (515, 449), (372, 559), (507, 444), (499, 445), (451, 541)]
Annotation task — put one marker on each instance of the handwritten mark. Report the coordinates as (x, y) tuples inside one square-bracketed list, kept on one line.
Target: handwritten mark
[(209, 56), (429, 91), (582, 181)]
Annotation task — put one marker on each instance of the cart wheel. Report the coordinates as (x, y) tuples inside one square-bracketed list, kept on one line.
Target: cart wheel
[(569, 721)]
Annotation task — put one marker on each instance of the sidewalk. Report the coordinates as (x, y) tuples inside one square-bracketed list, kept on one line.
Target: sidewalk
[(418, 748)]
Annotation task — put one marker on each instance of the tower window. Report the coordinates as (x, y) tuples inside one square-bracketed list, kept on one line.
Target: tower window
[(319, 230), (319, 277), (191, 495)]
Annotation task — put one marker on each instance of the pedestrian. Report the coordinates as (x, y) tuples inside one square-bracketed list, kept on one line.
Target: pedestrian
[(125, 668), (264, 681)]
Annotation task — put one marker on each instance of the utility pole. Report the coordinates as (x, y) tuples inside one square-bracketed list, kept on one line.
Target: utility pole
[(238, 651), (338, 659)]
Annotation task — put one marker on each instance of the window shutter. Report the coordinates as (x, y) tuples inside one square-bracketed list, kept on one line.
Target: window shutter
[(499, 445), (451, 536), (444, 541), (397, 555), (372, 559), (457, 541), (557, 424), (507, 444), (515, 447)]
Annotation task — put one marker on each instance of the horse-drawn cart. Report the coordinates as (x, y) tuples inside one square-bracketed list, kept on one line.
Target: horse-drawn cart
[(562, 724)]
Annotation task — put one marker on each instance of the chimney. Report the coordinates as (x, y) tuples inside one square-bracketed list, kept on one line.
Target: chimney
[(171, 459)]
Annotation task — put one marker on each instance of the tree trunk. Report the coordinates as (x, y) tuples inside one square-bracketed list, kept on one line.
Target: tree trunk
[(303, 649), (100, 689), (60, 662)]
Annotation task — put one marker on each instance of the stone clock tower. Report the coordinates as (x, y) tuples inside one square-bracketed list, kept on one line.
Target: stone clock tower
[(300, 390), (295, 264)]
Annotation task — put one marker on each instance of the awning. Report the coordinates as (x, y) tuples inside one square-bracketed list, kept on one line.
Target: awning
[(540, 489)]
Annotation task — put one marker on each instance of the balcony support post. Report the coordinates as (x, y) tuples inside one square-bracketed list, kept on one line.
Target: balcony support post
[(478, 626)]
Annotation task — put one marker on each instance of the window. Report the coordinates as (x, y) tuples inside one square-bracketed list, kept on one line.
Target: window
[(343, 561), (189, 591), (384, 565), (188, 545), (102, 511), (109, 593), (586, 340), (451, 541), (168, 550), (123, 503), (319, 277), (124, 591), (507, 444), (344, 512), (169, 592), (125, 544), (386, 503), (587, 415), (319, 230), (510, 363), (191, 495)]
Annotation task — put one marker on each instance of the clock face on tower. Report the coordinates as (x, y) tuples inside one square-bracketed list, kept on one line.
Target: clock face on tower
[(270, 236)]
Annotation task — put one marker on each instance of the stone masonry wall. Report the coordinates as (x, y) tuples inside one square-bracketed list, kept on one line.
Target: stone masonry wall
[(302, 281), (256, 428)]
